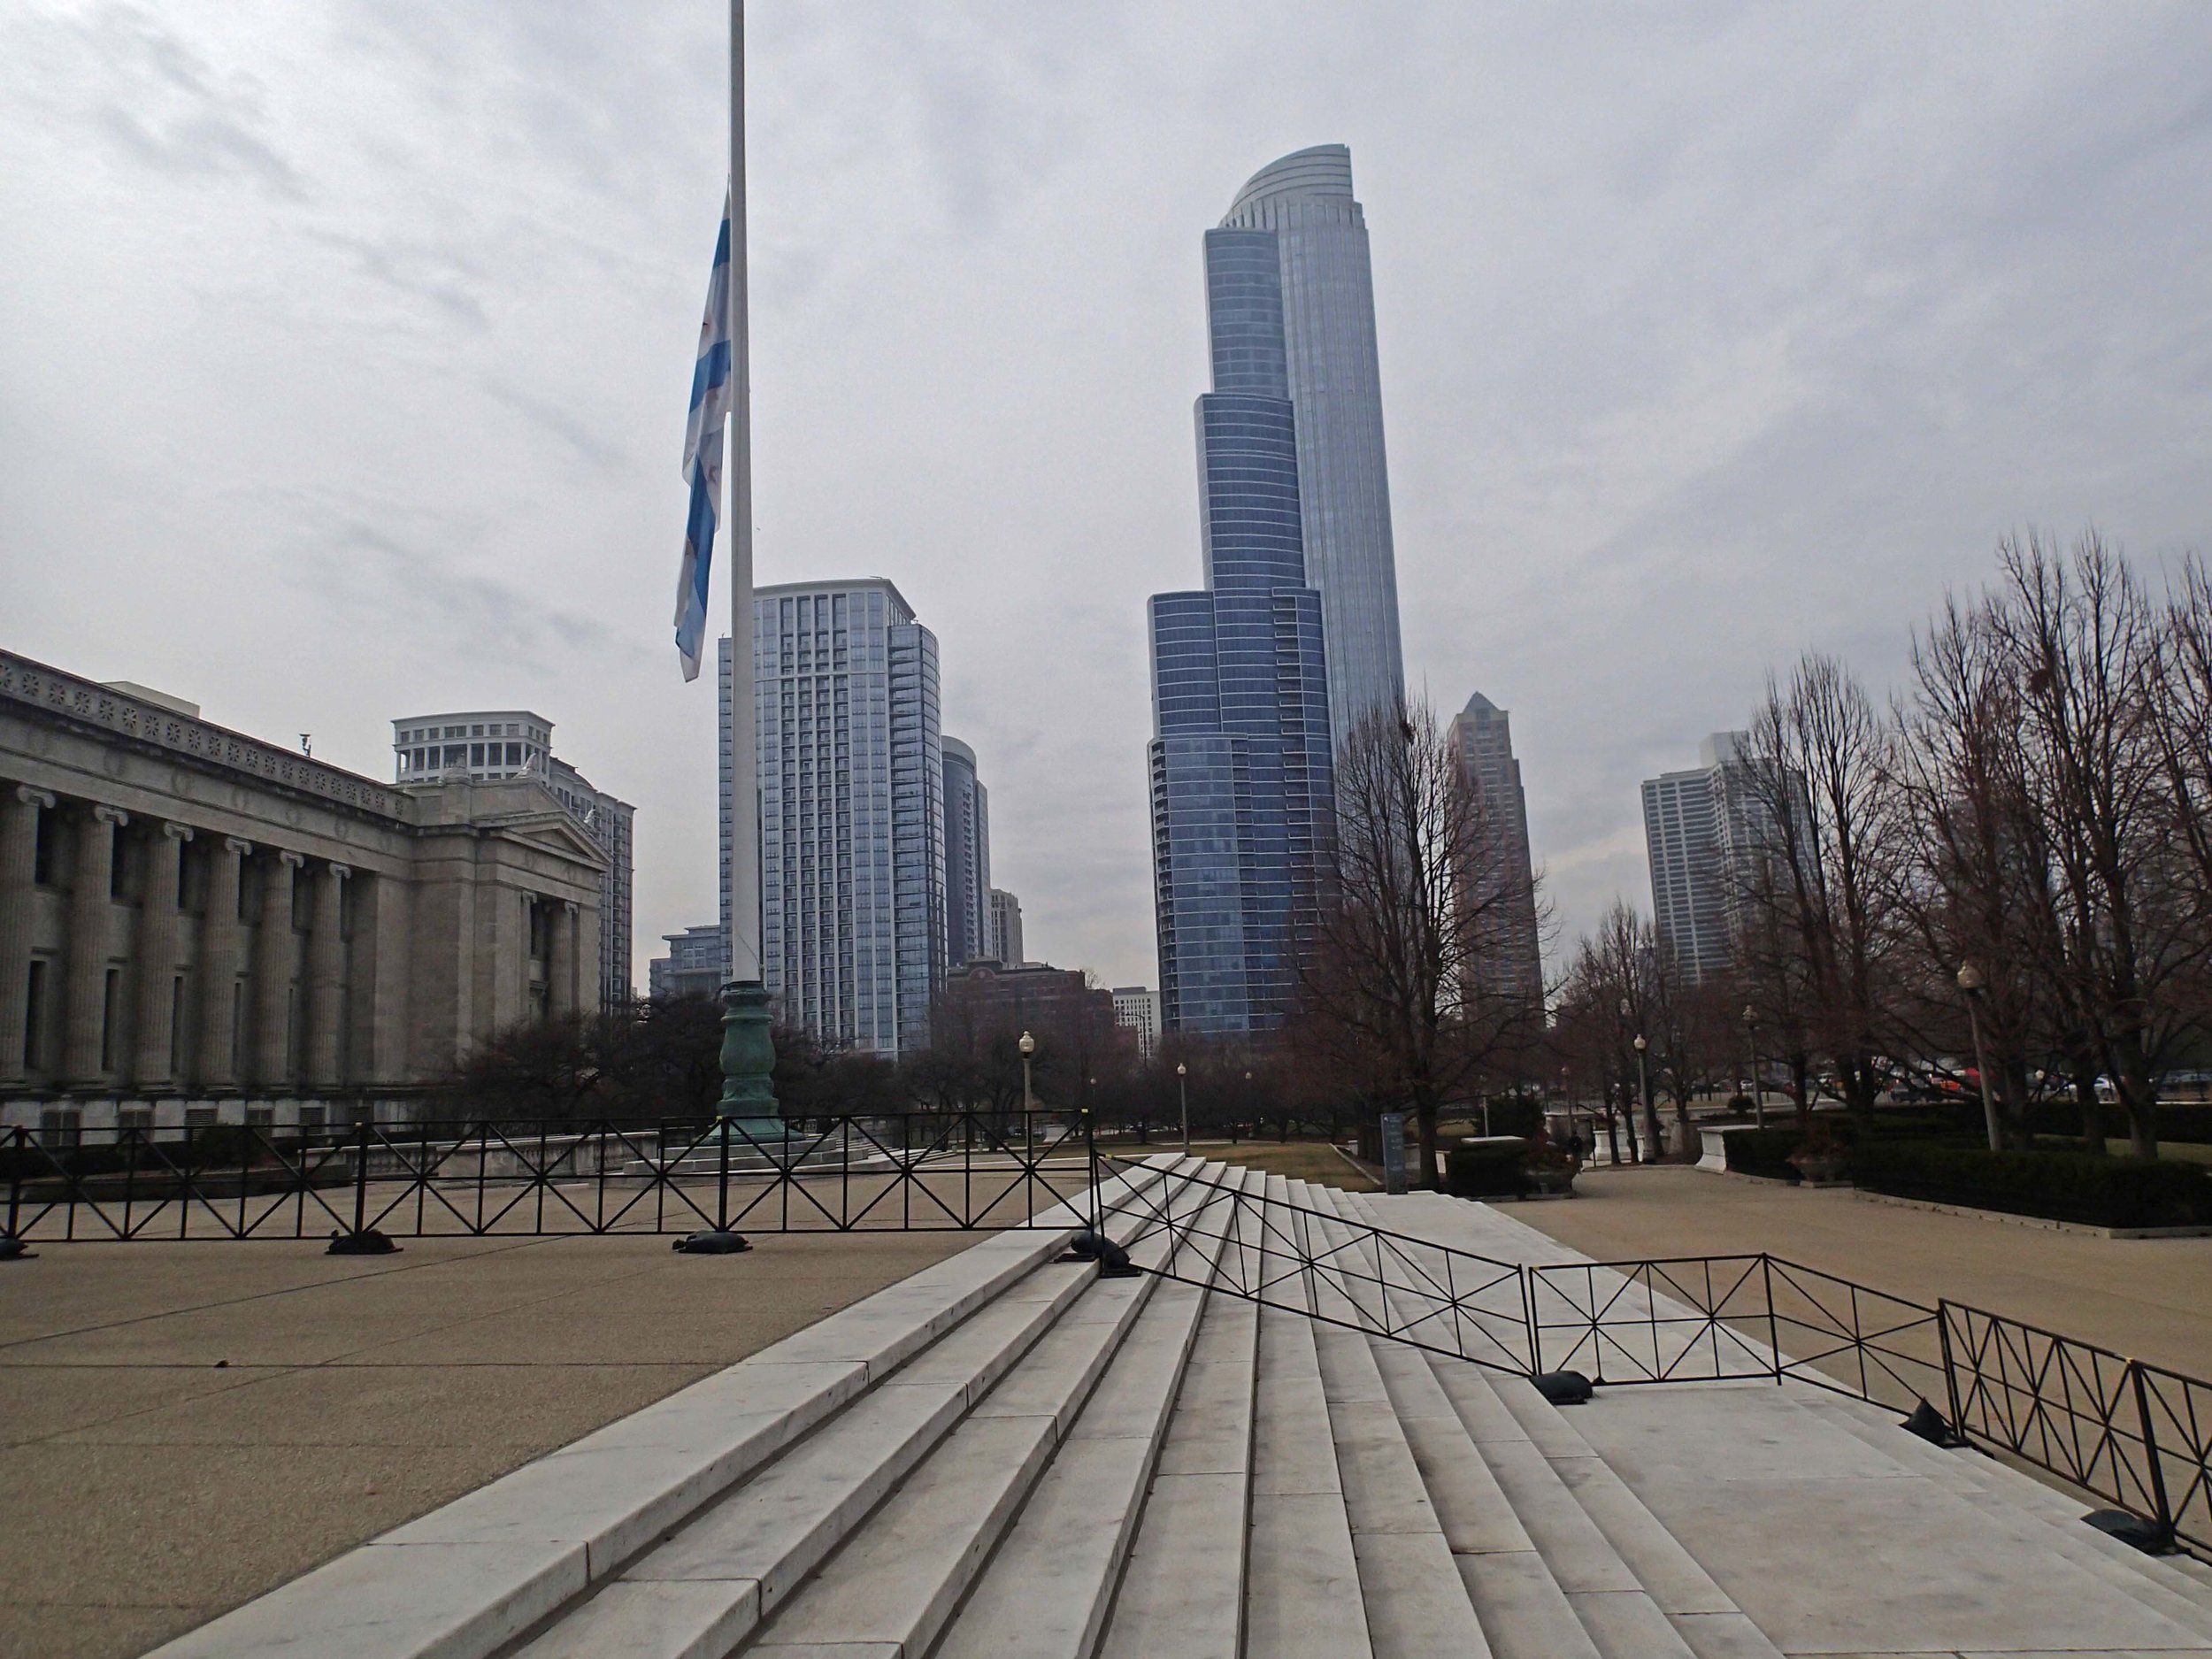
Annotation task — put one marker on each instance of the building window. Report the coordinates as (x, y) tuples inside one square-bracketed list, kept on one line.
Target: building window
[(33, 1013), (111, 992), (476, 731), (514, 754), (60, 1128), (311, 1121), (134, 1119), (199, 1118), (260, 1117)]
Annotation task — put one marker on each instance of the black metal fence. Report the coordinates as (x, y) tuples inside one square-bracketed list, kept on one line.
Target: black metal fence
[(2136, 1436), (913, 1173)]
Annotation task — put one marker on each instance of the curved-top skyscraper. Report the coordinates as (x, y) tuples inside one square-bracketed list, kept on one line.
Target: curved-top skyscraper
[(1255, 678), (1305, 199)]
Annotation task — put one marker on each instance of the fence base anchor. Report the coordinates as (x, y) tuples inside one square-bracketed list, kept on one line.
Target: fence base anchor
[(368, 1241), (2131, 1530), (13, 1249), (1564, 1387), (1928, 1423), (712, 1242)]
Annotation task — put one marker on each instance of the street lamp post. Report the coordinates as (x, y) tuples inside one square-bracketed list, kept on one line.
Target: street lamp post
[(1751, 1042), (1182, 1097), (1972, 981), (1028, 1045), (1567, 1095), (1643, 1095)]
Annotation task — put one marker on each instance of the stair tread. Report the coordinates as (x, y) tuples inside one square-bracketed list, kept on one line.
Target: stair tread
[(1048, 1587), (1184, 1585)]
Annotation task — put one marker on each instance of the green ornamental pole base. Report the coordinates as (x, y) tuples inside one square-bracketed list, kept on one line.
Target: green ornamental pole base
[(749, 1060)]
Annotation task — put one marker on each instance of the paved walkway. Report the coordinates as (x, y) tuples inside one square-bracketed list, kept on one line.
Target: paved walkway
[(184, 1425), (2148, 1298)]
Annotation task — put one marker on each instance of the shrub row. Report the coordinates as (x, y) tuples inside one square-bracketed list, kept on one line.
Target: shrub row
[(2189, 1123), (2061, 1185), (1490, 1172), (1764, 1152)]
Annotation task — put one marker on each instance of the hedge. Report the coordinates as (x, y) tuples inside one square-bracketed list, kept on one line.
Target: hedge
[(1491, 1171), (2061, 1185), (2189, 1123), (1764, 1152)]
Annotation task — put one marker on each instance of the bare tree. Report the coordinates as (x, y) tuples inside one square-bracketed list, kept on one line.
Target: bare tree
[(2085, 644), (1395, 987), (1820, 874)]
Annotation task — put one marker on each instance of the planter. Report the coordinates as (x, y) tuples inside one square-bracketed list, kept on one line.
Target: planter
[(1820, 1171), (1553, 1183)]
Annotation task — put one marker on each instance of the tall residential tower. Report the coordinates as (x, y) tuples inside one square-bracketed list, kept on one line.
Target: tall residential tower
[(1511, 961), (967, 857), (1294, 636), (852, 812)]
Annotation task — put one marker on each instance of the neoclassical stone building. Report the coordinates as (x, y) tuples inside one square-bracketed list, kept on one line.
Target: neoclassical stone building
[(195, 926)]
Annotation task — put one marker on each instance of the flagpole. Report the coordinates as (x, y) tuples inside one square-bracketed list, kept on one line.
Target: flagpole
[(744, 790), (749, 1102)]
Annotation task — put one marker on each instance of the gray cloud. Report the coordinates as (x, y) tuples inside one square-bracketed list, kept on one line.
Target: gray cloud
[(1711, 332)]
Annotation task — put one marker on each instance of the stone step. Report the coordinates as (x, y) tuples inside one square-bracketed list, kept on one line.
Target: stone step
[(704, 1586), (1628, 1587), (476, 1573), (1048, 1589), (2027, 1510), (897, 1580), (1416, 1600), (1182, 1592), (1303, 1599)]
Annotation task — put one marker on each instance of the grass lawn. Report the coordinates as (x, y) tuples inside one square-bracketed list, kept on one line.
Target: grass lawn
[(1314, 1161)]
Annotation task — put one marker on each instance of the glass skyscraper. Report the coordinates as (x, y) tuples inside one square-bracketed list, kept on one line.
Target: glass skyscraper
[(967, 857), (852, 812), (1304, 204), (1256, 679)]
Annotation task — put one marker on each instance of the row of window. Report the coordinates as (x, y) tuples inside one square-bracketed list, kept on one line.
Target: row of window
[(493, 728)]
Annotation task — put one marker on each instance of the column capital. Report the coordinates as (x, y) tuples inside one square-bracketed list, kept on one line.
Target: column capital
[(240, 849), (338, 869), (114, 815), (33, 796), (569, 907), (296, 860), (177, 832)]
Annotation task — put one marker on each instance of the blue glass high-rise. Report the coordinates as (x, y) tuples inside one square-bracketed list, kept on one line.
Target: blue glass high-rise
[(1240, 770)]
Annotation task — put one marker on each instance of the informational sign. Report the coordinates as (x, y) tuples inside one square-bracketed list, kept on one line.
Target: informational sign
[(1394, 1150)]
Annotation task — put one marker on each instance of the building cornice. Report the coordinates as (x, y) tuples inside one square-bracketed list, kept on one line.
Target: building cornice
[(51, 695)]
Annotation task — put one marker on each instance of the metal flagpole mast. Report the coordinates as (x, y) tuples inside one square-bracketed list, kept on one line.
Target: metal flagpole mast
[(744, 790), (748, 1100)]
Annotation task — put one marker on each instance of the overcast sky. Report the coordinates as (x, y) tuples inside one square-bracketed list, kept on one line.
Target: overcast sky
[(344, 350)]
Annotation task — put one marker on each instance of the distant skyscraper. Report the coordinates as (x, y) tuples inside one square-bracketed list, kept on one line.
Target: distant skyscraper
[(1703, 832), (1135, 1011), (967, 857), (1482, 737), (1252, 684), (1304, 203), (485, 745), (1006, 928), (852, 812), (696, 963)]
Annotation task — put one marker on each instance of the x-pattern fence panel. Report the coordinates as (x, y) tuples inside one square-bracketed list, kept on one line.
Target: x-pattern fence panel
[(917, 1172), (2136, 1436)]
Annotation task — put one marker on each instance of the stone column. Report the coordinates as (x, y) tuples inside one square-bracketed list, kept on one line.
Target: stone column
[(88, 906), (19, 807), (158, 961), (273, 974), (326, 978), (560, 961), (218, 966)]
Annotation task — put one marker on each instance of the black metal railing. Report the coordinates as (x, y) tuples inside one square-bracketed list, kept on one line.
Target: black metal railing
[(910, 1172), (2134, 1435)]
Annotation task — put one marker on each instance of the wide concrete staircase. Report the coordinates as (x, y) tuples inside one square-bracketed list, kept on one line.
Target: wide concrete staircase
[(1007, 1454)]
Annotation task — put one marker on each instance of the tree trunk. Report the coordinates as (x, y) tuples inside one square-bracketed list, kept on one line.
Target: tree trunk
[(2091, 1107), (1425, 1116), (1628, 1121)]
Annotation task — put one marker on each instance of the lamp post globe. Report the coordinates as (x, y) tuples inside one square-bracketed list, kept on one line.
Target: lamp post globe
[(1028, 1047), (1974, 983), (1182, 1097)]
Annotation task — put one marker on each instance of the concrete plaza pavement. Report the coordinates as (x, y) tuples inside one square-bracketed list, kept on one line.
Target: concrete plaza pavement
[(2150, 1299), (185, 1426)]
